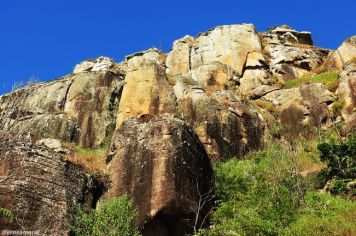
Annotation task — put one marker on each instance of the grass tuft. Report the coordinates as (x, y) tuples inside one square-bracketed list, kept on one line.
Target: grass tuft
[(329, 79)]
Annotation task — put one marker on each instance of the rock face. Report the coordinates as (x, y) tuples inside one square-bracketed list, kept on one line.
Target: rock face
[(79, 108), (343, 55), (146, 90), (162, 165), (228, 44), (225, 125), (178, 60), (39, 187), (93, 65), (347, 90), (225, 88)]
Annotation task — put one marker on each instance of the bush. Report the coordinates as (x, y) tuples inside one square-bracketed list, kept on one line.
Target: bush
[(6, 213), (340, 158), (323, 214), (329, 79), (114, 217), (257, 196)]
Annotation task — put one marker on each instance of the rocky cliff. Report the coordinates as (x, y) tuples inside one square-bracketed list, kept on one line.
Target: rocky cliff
[(166, 116)]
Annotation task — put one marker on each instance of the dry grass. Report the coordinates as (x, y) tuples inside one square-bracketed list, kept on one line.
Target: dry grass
[(267, 105), (92, 160)]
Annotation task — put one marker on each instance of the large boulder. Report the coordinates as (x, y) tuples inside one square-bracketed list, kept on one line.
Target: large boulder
[(347, 90), (227, 44), (79, 108), (161, 164), (286, 35), (92, 65), (178, 59), (290, 62), (308, 102), (146, 90), (40, 188), (291, 53), (343, 55), (256, 74), (227, 126), (213, 76)]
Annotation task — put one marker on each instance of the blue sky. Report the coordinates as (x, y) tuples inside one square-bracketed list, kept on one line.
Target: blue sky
[(46, 38)]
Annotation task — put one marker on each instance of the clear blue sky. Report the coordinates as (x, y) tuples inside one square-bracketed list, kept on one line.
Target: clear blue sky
[(46, 38)]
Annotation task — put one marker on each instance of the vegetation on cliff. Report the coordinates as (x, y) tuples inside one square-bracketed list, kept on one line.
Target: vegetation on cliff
[(265, 194), (114, 217)]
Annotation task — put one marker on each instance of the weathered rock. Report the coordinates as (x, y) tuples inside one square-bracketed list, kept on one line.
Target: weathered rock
[(255, 74), (314, 98), (160, 163), (347, 90), (213, 76), (261, 91), (226, 126), (92, 100), (343, 55), (284, 35), (350, 126), (50, 143), (138, 59), (227, 44), (146, 90), (289, 62), (283, 98), (178, 59), (93, 65), (39, 187), (80, 108)]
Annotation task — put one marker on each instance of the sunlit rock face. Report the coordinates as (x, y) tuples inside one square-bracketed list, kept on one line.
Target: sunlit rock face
[(165, 116)]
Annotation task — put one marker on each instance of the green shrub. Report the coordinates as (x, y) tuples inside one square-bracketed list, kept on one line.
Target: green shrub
[(82, 222), (329, 79), (114, 217), (322, 214), (257, 196), (6, 213), (340, 158)]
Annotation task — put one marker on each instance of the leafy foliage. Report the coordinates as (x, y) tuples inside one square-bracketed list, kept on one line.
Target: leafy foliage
[(257, 196), (264, 195), (6, 213), (329, 79), (323, 214), (340, 158), (114, 217)]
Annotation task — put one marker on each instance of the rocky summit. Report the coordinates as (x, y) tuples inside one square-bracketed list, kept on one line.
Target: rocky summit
[(160, 120)]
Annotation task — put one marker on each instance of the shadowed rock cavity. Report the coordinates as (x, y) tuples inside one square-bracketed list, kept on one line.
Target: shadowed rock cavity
[(163, 167)]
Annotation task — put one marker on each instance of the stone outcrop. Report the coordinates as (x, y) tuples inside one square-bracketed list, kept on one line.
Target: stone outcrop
[(178, 60), (40, 188), (226, 125), (310, 99), (146, 90), (347, 90), (79, 108), (286, 35), (227, 44), (94, 65), (343, 55), (165, 116), (160, 163)]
